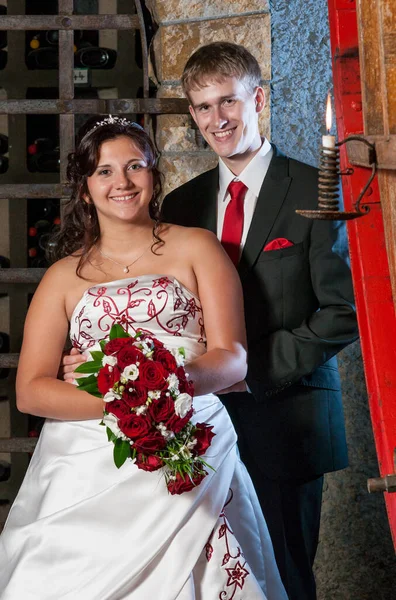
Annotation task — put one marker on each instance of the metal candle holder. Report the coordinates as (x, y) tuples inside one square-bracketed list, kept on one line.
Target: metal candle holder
[(328, 185)]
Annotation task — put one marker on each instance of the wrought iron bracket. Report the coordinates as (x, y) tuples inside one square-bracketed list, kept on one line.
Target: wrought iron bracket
[(328, 195)]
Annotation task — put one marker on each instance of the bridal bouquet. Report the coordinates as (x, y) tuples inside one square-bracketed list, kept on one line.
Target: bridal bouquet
[(148, 407)]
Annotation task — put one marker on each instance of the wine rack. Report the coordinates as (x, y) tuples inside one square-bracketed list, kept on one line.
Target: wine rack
[(40, 108)]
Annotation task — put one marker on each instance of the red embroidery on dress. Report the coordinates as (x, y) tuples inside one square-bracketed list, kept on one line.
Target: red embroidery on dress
[(236, 578), (163, 303), (236, 571), (208, 551), (162, 281), (75, 338)]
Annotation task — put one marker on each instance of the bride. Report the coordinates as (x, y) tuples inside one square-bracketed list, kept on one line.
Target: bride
[(80, 528)]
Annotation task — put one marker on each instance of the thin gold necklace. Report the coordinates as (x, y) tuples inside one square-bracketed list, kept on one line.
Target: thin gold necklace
[(125, 268)]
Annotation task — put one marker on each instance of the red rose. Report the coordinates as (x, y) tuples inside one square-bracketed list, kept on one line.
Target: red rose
[(203, 434), (185, 386), (176, 423), (137, 396), (162, 409), (167, 359), (129, 356), (184, 483), (149, 463), (150, 443), (153, 375), (115, 345), (157, 343), (119, 408), (134, 426), (107, 377)]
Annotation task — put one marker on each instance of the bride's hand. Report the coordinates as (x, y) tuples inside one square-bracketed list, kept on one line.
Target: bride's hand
[(70, 362), (237, 387)]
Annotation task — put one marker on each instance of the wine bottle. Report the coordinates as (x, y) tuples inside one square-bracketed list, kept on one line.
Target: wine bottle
[(3, 58), (3, 33), (3, 164), (44, 162), (3, 143), (5, 470), (4, 347), (39, 262), (43, 58), (41, 145), (95, 58), (4, 262)]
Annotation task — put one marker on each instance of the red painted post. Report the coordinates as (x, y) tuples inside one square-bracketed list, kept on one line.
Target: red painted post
[(370, 271)]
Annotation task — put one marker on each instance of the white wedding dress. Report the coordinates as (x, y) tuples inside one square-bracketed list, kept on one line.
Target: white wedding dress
[(81, 529)]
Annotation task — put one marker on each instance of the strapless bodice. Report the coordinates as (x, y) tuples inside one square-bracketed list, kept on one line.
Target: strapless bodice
[(158, 304)]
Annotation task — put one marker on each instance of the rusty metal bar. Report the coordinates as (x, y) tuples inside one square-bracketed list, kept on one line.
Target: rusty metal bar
[(34, 190), (66, 134), (21, 275), (143, 40), (95, 106), (9, 361), (17, 444), (382, 484), (66, 88), (61, 22)]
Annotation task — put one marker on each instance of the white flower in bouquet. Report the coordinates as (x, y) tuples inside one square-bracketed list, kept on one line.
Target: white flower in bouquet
[(185, 453), (109, 360), (111, 396), (131, 373), (183, 404), (173, 382), (179, 355), (111, 422)]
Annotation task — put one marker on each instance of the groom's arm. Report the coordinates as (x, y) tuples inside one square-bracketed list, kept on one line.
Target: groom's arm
[(284, 357)]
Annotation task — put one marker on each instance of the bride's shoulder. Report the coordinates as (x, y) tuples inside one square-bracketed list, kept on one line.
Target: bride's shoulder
[(62, 273), (189, 235)]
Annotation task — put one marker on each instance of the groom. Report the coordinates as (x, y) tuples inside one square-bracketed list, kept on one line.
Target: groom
[(299, 302)]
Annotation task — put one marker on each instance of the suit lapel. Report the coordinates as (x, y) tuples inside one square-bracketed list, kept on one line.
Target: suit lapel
[(272, 194), (205, 200)]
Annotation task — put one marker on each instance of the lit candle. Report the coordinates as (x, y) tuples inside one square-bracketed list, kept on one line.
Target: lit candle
[(328, 141)]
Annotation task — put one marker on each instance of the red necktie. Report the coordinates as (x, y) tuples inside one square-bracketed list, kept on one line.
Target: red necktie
[(233, 220)]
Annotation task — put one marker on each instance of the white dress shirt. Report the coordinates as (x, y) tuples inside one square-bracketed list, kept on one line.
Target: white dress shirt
[(252, 176)]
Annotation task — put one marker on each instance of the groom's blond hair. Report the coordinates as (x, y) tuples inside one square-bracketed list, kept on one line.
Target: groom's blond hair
[(216, 62)]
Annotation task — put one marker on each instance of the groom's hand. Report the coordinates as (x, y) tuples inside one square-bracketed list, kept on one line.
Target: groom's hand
[(237, 387), (70, 362)]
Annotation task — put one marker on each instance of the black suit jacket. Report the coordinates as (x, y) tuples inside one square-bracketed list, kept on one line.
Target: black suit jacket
[(299, 310)]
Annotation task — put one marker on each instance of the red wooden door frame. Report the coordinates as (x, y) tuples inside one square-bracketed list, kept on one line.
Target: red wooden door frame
[(369, 263)]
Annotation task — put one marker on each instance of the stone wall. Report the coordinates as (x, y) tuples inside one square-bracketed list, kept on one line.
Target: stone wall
[(184, 25), (291, 42)]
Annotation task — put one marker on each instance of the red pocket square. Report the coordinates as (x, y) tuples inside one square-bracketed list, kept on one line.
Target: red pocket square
[(278, 244)]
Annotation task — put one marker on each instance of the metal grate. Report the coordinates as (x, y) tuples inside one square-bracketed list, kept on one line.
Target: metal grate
[(66, 106)]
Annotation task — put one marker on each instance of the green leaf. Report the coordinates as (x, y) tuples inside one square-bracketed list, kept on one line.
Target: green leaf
[(122, 451), (103, 344), (182, 352), (117, 331), (110, 435), (90, 385), (97, 356), (90, 366), (93, 390), (82, 381)]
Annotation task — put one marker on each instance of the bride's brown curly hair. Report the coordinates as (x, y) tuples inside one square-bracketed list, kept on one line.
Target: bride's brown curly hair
[(80, 226)]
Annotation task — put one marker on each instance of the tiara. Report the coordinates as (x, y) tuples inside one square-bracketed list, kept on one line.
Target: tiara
[(110, 120)]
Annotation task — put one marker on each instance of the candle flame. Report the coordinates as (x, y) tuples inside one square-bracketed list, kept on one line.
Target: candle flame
[(328, 113)]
